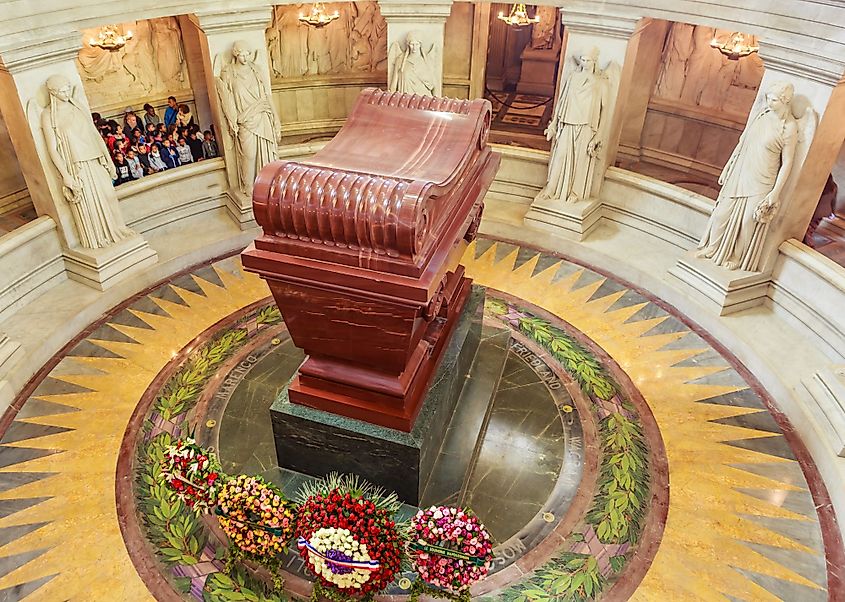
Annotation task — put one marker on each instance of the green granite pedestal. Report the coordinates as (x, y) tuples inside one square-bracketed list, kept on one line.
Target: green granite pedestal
[(316, 443)]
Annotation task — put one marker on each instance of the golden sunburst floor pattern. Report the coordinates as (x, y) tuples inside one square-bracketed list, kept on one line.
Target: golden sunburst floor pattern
[(741, 525)]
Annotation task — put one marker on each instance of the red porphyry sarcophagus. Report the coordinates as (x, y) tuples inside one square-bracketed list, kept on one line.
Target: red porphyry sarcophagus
[(361, 249)]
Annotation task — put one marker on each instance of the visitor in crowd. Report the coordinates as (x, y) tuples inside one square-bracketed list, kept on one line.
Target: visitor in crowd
[(169, 154), (171, 111), (209, 145), (195, 143), (123, 173), (144, 159), (156, 162), (184, 117), (184, 152), (130, 120), (136, 170), (140, 147), (117, 142), (150, 115)]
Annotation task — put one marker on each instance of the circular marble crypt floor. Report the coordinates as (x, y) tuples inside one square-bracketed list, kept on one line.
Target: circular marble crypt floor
[(730, 505)]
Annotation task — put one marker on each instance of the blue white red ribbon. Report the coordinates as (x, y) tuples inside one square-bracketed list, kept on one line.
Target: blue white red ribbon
[(363, 565)]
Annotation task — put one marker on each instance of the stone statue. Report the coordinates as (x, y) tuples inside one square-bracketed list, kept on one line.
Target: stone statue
[(247, 108), (576, 129), (413, 68), (79, 154), (753, 181)]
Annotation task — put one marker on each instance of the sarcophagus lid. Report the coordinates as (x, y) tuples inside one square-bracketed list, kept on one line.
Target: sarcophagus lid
[(395, 186)]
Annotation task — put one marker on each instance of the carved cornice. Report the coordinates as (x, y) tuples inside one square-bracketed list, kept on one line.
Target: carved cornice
[(430, 11), (216, 22), (780, 56), (611, 26), (47, 50)]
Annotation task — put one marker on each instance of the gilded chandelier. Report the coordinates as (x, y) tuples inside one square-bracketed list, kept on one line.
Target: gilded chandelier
[(518, 16), (735, 46), (109, 38), (318, 16)]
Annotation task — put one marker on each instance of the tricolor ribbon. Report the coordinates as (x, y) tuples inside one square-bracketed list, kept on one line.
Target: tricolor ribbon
[(363, 565)]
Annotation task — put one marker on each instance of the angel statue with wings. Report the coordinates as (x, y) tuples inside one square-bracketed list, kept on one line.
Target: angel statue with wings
[(247, 108), (754, 179), (82, 159), (413, 69), (576, 130)]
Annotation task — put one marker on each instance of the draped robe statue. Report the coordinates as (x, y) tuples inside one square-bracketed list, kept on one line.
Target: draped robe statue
[(575, 132), (752, 182), (248, 111), (413, 68), (79, 154)]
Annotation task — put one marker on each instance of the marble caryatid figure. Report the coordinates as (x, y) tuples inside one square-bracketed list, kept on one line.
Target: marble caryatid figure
[(413, 67), (752, 183), (82, 160), (248, 111), (575, 131)]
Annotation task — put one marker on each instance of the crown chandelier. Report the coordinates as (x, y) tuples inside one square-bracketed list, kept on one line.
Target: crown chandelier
[(518, 16), (318, 16), (735, 46), (109, 38)]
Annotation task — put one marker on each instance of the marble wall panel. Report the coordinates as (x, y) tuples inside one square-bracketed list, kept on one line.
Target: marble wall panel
[(701, 99), (13, 193), (354, 43), (457, 50), (150, 67)]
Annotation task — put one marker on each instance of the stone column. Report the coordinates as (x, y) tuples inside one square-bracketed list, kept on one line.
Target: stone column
[(23, 98), (616, 38), (424, 18), (218, 32), (647, 67), (819, 89)]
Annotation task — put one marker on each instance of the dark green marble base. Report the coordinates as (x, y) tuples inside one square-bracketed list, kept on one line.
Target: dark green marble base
[(316, 443)]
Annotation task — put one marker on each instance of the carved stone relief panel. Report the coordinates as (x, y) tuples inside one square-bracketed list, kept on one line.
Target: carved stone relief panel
[(696, 75), (354, 43), (150, 65)]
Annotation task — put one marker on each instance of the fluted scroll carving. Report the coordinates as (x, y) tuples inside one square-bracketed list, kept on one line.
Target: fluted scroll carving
[(417, 101), (356, 211)]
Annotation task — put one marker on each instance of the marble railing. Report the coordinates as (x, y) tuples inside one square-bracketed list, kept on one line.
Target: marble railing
[(30, 263), (164, 198)]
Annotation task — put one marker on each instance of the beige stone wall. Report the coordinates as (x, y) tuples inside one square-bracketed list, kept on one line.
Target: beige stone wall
[(700, 102), (13, 193), (149, 68), (457, 50), (318, 73)]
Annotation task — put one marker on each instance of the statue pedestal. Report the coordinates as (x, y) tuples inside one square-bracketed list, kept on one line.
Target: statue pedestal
[(725, 291), (571, 220), (539, 71), (316, 443), (239, 207), (102, 268)]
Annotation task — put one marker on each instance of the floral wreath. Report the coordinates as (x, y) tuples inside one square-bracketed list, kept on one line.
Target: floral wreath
[(192, 474), (348, 538), (451, 550), (256, 517)]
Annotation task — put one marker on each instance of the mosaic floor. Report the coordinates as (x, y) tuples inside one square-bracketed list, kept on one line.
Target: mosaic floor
[(738, 521)]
